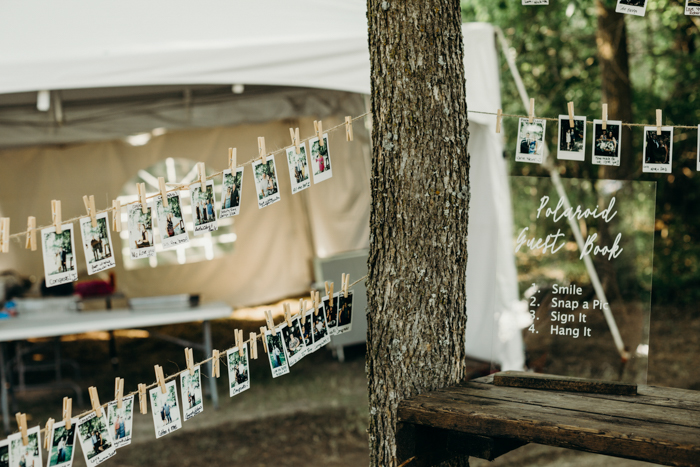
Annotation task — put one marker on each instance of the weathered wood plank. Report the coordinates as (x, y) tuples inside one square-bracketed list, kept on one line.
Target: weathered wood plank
[(520, 379)]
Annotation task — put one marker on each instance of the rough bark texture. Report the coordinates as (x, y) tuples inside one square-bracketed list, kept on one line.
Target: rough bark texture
[(611, 39), (418, 225)]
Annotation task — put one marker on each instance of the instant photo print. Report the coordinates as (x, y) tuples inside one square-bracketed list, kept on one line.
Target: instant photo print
[(203, 208), (238, 370), (294, 342), (59, 255), (330, 308), (572, 141), (120, 421), (165, 409), (692, 7), (95, 438), (266, 183), (320, 329), (631, 7), (21, 455), (171, 223), (320, 159), (276, 354), (606, 142), (191, 391), (231, 190), (658, 150), (62, 447), (140, 224), (97, 243), (345, 313), (530, 145), (307, 331), (298, 168)]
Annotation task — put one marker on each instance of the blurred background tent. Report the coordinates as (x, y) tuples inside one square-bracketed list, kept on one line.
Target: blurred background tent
[(95, 97)]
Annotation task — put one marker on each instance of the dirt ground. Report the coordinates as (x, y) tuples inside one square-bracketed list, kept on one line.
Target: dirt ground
[(315, 416)]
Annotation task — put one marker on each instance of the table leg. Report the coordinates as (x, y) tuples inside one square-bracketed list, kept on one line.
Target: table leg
[(3, 391), (206, 325)]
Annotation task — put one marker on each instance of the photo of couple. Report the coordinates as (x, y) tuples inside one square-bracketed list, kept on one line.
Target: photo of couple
[(530, 141), (344, 313), (572, 139), (140, 226), (95, 438), (171, 225), (606, 142), (97, 243), (238, 376), (294, 342), (266, 181), (203, 208), (276, 355), (320, 330), (120, 420), (298, 168), (25, 456), (320, 159), (62, 443), (164, 406), (59, 260), (658, 150), (231, 193)]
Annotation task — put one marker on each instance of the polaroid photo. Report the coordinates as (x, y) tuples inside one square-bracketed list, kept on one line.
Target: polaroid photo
[(171, 224), (95, 438), (191, 386), (330, 308), (692, 7), (203, 208), (238, 370), (535, 2), (572, 141), (294, 342), (631, 7), (345, 312), (25, 456), (121, 421), (307, 332), (231, 193), (530, 147), (62, 445), (658, 150), (166, 413), (606, 142), (5, 453), (97, 243), (320, 329), (141, 242), (698, 154), (320, 159), (298, 168), (59, 255), (276, 354), (266, 185)]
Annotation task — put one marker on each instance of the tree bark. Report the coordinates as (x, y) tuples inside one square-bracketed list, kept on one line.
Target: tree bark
[(418, 224)]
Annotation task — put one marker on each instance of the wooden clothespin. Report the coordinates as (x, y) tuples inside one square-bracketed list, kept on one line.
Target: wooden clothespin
[(143, 402), (253, 346), (232, 160), (95, 401), (56, 215), (348, 128), (659, 121), (160, 378), (5, 234), (117, 215), (163, 191), (263, 330), (570, 105), (261, 148), (48, 431), (67, 411), (215, 372), (313, 300), (22, 424), (288, 314), (270, 322), (318, 128), (202, 176), (141, 188), (189, 359), (90, 208), (302, 311), (30, 244), (346, 285), (317, 303), (119, 391), (605, 116), (499, 116), (330, 297), (239, 341), (531, 117), (294, 133)]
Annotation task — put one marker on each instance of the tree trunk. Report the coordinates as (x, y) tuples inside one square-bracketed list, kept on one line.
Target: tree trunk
[(611, 39), (418, 224)]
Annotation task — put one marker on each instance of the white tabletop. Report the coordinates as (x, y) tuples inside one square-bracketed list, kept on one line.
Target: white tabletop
[(60, 323)]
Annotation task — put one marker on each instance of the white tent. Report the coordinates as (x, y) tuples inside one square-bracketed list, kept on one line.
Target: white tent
[(122, 68)]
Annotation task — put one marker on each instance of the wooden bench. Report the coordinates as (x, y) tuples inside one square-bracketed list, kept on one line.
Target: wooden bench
[(486, 420)]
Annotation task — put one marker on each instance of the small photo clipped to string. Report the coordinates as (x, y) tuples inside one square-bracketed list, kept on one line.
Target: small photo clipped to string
[(95, 438), (165, 409), (63, 445), (140, 224), (320, 159), (658, 150), (307, 332), (330, 307), (191, 387), (21, 455), (535, 2), (238, 370), (631, 7), (121, 421), (171, 224), (203, 208), (345, 312), (606, 142), (231, 190), (275, 353), (97, 243), (298, 168), (293, 341), (59, 255), (266, 183), (692, 7), (320, 330), (530, 145), (572, 140)]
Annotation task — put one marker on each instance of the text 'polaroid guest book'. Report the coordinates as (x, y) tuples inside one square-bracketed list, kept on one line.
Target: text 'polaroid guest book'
[(583, 254)]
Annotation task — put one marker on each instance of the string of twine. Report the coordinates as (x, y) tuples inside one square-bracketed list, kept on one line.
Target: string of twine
[(221, 356), (180, 187), (589, 122)]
